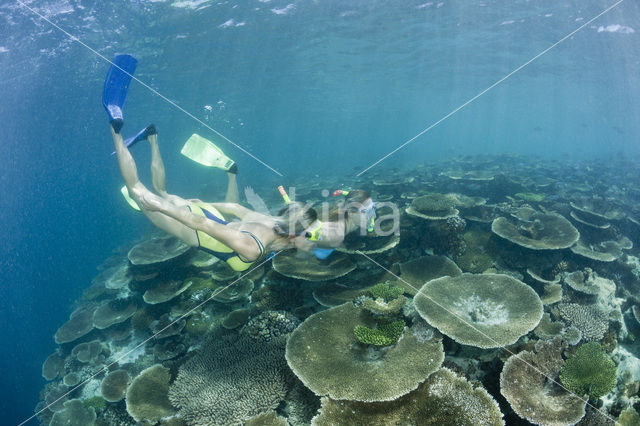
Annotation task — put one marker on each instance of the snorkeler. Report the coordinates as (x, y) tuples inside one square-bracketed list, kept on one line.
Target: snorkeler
[(240, 243)]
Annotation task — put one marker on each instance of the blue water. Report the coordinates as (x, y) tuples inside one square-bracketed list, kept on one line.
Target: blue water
[(309, 87)]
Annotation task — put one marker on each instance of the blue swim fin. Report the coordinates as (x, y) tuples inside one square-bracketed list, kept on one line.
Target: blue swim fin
[(140, 136), (116, 86)]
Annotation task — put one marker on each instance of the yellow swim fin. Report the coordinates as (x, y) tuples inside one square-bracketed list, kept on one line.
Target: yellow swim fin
[(125, 194), (204, 151)]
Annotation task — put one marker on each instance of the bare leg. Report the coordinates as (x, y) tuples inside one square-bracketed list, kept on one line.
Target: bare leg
[(158, 177), (232, 189), (137, 191)]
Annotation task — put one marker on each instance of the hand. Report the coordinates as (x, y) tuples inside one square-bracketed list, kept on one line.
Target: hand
[(150, 202)]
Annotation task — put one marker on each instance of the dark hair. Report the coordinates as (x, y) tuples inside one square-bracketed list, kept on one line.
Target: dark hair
[(294, 218), (357, 196)]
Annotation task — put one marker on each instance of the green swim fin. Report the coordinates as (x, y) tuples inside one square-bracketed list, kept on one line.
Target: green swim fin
[(125, 194), (205, 152)]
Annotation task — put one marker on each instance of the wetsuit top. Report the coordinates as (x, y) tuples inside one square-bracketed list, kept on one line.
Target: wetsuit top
[(212, 246)]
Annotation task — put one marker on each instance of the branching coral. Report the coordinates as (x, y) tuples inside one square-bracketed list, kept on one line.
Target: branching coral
[(589, 371), (386, 334), (385, 291), (230, 380), (591, 321)]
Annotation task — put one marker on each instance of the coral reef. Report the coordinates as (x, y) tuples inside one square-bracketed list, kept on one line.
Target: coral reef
[(565, 272)]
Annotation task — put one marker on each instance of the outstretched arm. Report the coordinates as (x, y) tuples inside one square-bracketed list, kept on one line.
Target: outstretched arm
[(233, 209), (238, 241)]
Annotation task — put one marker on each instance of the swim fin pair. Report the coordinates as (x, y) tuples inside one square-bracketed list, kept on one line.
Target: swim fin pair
[(116, 86)]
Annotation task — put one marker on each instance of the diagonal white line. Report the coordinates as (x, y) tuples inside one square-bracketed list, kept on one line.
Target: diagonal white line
[(151, 89), (490, 87), (106, 367), (419, 291)]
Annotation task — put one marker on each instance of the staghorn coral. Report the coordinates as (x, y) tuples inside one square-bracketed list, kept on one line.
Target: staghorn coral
[(591, 322), (386, 334), (485, 310), (146, 396), (526, 383), (230, 380), (589, 371), (385, 291), (444, 398)]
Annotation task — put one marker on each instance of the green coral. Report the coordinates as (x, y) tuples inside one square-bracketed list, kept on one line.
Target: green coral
[(386, 291), (386, 334), (97, 402), (589, 371)]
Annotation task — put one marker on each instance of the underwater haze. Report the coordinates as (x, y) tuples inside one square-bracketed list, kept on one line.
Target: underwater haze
[(317, 91)]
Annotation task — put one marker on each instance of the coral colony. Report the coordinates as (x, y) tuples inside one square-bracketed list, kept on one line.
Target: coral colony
[(510, 294)]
